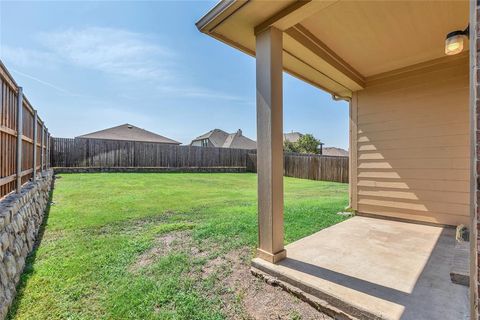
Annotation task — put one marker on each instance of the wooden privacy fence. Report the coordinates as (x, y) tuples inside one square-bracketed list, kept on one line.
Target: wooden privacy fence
[(309, 166), (81, 152), (24, 138)]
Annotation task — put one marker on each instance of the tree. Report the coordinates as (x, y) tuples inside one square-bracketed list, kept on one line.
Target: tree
[(289, 146), (305, 144), (308, 144)]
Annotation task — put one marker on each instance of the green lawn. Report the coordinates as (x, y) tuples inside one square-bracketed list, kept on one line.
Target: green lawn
[(106, 252)]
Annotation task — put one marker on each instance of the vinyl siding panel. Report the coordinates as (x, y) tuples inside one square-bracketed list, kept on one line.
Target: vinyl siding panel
[(412, 145)]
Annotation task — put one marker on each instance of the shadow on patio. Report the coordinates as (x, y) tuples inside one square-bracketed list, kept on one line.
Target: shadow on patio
[(377, 269)]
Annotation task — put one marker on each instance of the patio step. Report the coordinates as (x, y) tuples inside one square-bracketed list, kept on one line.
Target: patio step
[(319, 304), (460, 272)]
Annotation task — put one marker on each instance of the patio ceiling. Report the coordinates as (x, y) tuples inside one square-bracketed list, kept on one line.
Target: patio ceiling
[(338, 45)]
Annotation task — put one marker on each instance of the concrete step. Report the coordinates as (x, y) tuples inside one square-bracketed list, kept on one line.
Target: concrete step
[(321, 305)]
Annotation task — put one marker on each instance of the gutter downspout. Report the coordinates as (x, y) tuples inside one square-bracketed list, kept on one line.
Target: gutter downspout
[(340, 98)]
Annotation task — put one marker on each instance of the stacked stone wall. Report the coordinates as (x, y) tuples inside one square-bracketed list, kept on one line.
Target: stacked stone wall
[(21, 216)]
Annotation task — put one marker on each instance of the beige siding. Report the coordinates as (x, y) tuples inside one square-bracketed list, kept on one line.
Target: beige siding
[(411, 146)]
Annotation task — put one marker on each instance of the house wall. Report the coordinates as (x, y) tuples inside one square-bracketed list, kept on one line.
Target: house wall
[(410, 143), (202, 143)]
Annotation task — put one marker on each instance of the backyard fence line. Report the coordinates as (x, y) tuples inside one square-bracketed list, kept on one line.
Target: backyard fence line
[(309, 166), (80, 152), (88, 153), (24, 138)]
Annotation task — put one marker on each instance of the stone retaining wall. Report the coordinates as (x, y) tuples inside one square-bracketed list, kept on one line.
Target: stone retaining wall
[(150, 169), (21, 216)]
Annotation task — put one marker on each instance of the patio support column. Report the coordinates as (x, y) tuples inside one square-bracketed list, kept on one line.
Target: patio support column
[(270, 144)]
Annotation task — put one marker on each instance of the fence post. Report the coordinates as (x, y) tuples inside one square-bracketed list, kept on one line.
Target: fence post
[(47, 165), (35, 141), (44, 149), (41, 148), (19, 138)]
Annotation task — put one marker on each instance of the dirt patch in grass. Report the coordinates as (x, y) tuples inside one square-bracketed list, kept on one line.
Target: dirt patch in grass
[(247, 297), (242, 295), (165, 244), (211, 266)]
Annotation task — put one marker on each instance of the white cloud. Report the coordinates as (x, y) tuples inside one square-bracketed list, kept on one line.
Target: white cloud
[(122, 54), (23, 57), (198, 92), (46, 83), (112, 51)]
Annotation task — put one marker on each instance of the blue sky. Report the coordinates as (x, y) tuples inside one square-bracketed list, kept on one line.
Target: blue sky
[(88, 65)]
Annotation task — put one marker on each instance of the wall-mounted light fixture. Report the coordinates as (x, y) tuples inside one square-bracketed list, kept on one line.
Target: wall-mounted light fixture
[(454, 41)]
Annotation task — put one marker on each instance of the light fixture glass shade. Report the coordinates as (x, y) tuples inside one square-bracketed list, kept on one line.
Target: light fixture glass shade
[(454, 44)]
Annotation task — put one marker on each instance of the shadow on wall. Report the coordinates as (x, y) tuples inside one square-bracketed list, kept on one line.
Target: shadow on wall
[(428, 189), (413, 145)]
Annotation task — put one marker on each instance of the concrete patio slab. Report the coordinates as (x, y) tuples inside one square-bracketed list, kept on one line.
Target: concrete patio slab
[(377, 269)]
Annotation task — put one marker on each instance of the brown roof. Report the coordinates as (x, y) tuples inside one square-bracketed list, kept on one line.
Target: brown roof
[(128, 132)]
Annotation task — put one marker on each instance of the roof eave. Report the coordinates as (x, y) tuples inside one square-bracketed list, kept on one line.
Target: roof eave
[(223, 11), (214, 14)]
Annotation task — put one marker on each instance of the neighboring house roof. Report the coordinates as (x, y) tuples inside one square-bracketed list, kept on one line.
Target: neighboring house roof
[(216, 136), (128, 132), (239, 141), (333, 151), (221, 139), (292, 136)]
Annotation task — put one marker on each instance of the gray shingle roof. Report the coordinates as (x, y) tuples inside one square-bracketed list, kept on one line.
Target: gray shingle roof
[(128, 132), (239, 141), (334, 151), (292, 136), (222, 139), (217, 137)]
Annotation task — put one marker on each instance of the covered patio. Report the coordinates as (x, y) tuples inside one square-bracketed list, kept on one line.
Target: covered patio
[(375, 269), (410, 147)]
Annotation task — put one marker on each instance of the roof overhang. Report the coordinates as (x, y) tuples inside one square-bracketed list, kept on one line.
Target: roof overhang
[(338, 45)]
